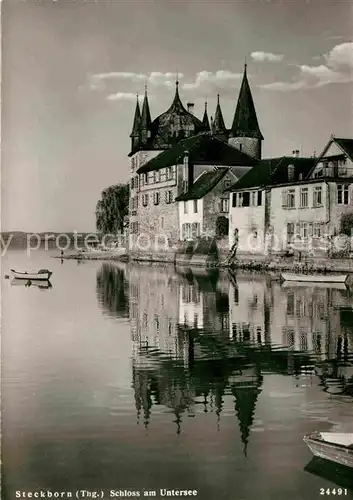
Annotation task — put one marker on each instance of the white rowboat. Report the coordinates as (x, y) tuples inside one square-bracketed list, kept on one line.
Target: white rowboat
[(42, 274), (315, 278), (333, 446)]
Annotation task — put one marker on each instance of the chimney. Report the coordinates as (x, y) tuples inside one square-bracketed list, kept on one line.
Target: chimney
[(190, 106)]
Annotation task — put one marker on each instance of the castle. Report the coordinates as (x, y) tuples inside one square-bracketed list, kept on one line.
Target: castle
[(168, 154)]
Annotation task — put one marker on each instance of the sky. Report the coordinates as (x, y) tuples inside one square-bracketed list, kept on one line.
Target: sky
[(71, 71)]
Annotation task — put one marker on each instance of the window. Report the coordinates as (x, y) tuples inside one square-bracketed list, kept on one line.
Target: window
[(145, 200), (342, 194), (290, 232), (246, 199), (303, 230), (145, 178), (195, 230), (156, 198), (224, 205), (157, 176), (133, 163), (234, 200), (291, 173), (169, 196), (317, 198), (136, 181), (185, 207), (150, 178), (317, 230), (195, 206), (288, 198), (304, 197), (132, 183), (259, 198)]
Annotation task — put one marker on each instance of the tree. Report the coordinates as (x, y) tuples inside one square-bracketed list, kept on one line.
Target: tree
[(347, 224), (222, 226), (112, 208)]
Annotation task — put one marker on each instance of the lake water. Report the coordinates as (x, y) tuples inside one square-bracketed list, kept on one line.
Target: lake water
[(144, 377)]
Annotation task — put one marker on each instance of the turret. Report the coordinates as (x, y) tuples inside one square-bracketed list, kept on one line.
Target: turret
[(218, 126), (136, 129), (245, 133), (145, 120), (205, 121)]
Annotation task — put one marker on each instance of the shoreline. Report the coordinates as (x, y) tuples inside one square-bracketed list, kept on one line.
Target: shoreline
[(254, 263)]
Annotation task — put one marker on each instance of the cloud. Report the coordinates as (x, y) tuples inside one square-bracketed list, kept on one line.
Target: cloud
[(100, 81), (338, 69), (267, 56), (122, 96), (208, 78)]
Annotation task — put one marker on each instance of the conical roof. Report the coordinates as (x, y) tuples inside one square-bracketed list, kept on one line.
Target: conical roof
[(205, 121), (137, 121), (218, 122), (245, 122), (145, 115), (245, 395)]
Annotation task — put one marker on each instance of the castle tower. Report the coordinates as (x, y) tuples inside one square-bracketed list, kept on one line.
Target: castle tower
[(218, 126), (136, 128), (245, 133)]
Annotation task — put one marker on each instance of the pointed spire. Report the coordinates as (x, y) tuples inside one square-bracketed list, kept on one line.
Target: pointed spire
[(205, 121), (218, 122), (245, 122), (145, 115), (137, 120), (245, 395)]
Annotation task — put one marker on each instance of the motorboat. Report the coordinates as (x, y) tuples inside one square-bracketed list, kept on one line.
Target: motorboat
[(333, 446), (42, 274), (315, 278)]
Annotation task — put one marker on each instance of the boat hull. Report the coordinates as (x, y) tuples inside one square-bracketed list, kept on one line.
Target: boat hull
[(334, 453), (31, 276), (312, 278)]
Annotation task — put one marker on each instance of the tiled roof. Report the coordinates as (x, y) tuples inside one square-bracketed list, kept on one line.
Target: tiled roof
[(203, 149), (346, 145), (203, 185), (272, 171)]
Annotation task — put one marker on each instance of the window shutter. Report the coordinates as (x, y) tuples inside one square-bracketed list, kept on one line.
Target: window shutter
[(284, 198)]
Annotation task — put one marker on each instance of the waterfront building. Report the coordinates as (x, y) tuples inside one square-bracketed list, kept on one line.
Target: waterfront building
[(253, 210), (171, 153), (292, 202)]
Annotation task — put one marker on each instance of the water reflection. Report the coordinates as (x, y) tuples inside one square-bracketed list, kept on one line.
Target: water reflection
[(112, 290), (202, 339)]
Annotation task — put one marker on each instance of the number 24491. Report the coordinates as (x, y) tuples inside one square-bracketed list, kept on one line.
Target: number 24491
[(333, 491)]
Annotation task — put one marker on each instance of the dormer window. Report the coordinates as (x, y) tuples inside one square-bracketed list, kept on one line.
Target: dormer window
[(291, 173)]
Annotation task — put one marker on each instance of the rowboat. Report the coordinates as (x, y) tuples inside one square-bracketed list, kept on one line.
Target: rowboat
[(333, 446), (41, 284), (42, 274), (315, 278)]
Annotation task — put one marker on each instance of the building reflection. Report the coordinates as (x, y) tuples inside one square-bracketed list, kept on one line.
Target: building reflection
[(201, 341)]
